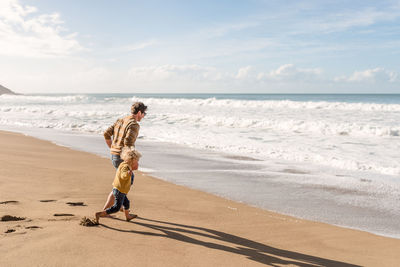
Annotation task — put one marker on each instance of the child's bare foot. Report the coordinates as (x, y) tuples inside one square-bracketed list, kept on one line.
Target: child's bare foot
[(98, 216), (130, 217)]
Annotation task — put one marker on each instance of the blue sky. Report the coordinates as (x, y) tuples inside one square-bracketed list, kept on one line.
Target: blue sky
[(255, 46)]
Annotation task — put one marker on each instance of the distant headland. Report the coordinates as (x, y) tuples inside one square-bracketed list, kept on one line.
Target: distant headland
[(4, 90)]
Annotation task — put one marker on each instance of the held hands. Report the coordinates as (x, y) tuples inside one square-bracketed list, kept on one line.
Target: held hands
[(134, 166)]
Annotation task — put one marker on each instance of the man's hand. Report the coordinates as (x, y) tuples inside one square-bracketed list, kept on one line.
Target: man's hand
[(108, 142)]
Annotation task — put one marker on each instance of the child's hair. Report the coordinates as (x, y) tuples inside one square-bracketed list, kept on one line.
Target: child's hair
[(129, 154)]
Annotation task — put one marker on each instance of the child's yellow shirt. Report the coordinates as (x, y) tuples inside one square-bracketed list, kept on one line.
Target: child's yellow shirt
[(122, 180)]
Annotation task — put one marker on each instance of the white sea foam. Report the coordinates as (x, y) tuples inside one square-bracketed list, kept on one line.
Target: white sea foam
[(271, 104), (343, 156), (29, 99), (352, 136)]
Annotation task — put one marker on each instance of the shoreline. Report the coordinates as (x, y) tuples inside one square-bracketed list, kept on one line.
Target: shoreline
[(280, 192), (176, 225)]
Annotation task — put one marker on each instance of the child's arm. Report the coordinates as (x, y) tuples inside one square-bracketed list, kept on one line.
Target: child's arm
[(134, 166), (125, 173)]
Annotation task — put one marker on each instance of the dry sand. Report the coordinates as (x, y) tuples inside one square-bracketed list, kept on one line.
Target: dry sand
[(176, 226)]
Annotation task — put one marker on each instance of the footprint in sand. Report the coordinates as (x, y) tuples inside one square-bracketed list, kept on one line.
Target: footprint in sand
[(9, 202), (47, 200), (7, 218), (33, 227), (76, 203), (63, 217), (63, 214), (12, 230)]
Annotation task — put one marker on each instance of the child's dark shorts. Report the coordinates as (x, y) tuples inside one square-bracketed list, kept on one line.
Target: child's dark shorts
[(120, 199)]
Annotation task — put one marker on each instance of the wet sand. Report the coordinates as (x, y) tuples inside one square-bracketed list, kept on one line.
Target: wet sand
[(45, 190)]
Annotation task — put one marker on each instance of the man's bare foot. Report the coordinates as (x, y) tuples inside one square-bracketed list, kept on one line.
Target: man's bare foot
[(130, 217)]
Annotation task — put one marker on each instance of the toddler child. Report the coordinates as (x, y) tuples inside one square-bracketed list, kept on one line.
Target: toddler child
[(122, 183)]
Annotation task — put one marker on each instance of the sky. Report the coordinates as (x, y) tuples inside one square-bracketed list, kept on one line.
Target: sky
[(253, 46)]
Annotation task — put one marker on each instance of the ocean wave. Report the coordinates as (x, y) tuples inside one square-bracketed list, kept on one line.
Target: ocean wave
[(284, 125), (280, 125), (35, 99), (197, 102), (269, 104), (57, 111), (291, 130), (292, 150)]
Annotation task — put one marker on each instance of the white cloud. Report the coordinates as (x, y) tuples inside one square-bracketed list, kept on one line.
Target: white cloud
[(290, 72), (62, 75), (195, 78), (358, 19), (370, 75), (23, 34), (243, 73), (393, 76), (361, 18), (226, 29), (175, 72), (139, 46), (235, 47), (205, 74)]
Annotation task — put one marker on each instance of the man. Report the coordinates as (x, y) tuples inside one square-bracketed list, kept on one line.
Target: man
[(124, 133)]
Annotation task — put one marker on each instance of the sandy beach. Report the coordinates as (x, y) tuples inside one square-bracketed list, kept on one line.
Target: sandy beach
[(50, 188)]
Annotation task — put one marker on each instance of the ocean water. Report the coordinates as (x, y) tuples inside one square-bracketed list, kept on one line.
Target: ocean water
[(331, 158)]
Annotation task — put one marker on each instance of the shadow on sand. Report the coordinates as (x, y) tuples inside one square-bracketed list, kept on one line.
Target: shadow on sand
[(252, 250)]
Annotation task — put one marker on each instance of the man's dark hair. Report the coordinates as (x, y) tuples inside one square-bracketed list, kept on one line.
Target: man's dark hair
[(138, 106)]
